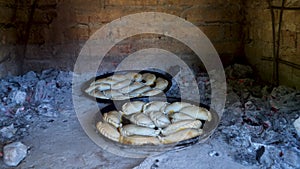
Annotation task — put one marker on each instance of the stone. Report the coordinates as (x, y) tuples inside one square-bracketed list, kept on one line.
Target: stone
[(14, 153), (49, 74), (8, 131), (249, 105), (45, 91), (281, 91), (47, 110), (297, 126), (19, 97), (292, 158), (29, 79), (285, 99), (213, 153), (238, 71)]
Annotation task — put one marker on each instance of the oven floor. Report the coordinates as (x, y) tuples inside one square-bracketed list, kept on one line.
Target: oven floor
[(256, 129), (63, 144)]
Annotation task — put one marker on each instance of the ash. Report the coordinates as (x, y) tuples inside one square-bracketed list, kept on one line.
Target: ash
[(32, 100), (257, 122), (256, 126)]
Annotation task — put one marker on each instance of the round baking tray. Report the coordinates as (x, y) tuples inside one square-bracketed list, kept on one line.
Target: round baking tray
[(146, 150), (157, 73)]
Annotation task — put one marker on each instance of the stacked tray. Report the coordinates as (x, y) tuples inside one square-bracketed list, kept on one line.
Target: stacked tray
[(159, 128)]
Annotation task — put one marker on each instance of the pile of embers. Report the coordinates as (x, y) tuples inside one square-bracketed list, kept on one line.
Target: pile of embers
[(26, 100), (257, 123)]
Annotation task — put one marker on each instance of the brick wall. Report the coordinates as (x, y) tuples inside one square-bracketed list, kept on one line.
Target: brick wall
[(8, 38), (259, 40), (59, 28), (38, 34)]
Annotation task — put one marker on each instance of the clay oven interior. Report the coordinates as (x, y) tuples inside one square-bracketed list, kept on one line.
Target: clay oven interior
[(38, 35)]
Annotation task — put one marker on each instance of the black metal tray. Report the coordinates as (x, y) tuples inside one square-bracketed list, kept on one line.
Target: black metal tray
[(208, 129), (156, 72)]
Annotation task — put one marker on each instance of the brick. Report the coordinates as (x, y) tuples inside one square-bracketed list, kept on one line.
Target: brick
[(290, 26), (47, 4), (22, 16), (5, 51), (36, 35), (6, 15), (200, 14), (52, 52), (289, 54), (9, 67), (131, 2), (183, 2), (250, 53), (288, 39), (39, 65), (262, 31), (266, 32), (232, 32), (219, 14), (213, 32), (34, 51), (123, 49), (228, 47), (266, 49), (86, 5), (265, 70), (93, 27), (85, 18), (7, 3), (139, 42), (297, 18), (263, 15), (285, 75), (298, 43), (44, 17), (276, 2), (288, 3), (78, 33), (8, 36), (173, 10), (197, 2), (109, 14), (296, 78), (289, 20)]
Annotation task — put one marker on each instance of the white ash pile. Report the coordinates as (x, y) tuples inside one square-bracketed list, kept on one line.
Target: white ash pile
[(258, 121), (258, 125), (32, 100)]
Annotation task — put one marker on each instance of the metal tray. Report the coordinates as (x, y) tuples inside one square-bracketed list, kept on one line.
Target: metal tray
[(157, 73), (146, 150)]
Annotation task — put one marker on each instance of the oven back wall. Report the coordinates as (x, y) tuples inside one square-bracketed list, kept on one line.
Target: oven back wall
[(59, 28), (8, 38)]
